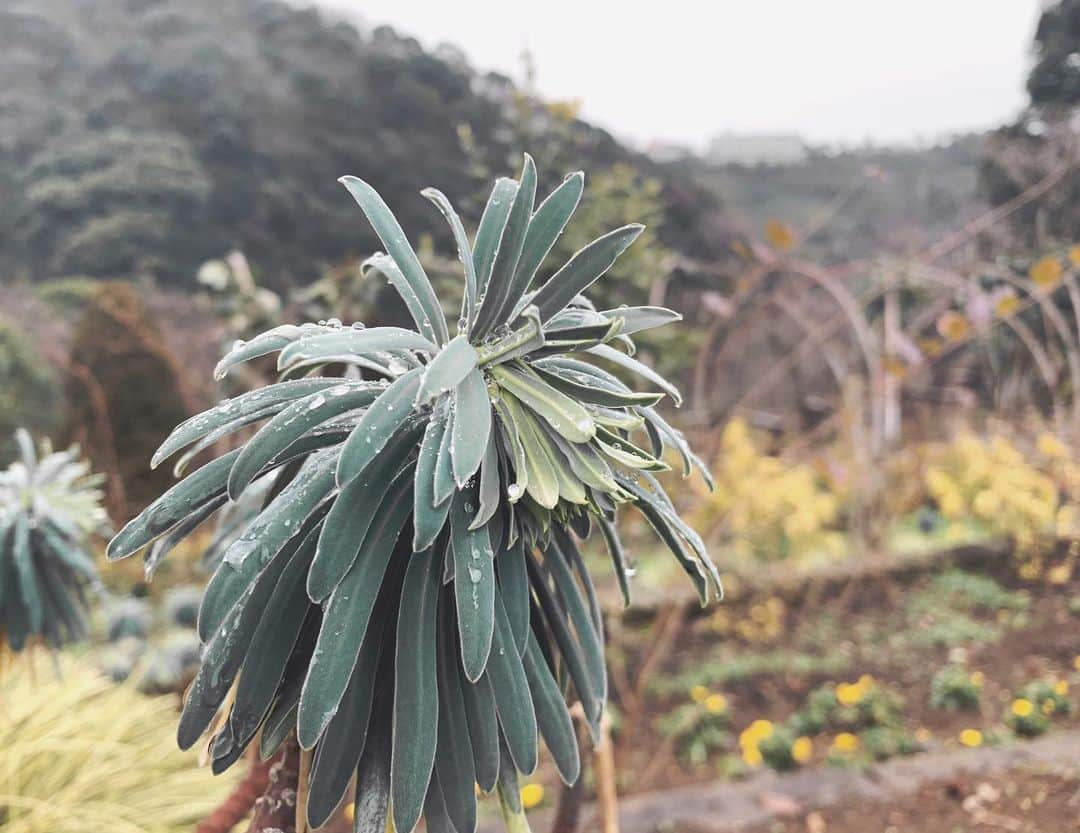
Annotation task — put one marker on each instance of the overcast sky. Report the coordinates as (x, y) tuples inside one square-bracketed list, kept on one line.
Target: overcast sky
[(680, 70)]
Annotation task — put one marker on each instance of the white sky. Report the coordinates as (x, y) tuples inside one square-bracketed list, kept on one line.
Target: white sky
[(832, 70)]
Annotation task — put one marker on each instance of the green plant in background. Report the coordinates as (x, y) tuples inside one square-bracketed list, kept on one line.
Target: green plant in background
[(956, 688), (411, 597), (50, 505), (28, 388), (698, 728)]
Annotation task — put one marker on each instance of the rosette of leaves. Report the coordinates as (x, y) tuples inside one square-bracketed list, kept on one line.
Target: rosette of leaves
[(411, 599), (50, 506)]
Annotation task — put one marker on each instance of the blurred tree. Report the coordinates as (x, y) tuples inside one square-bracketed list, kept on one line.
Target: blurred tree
[(123, 395), (147, 137), (1055, 78)]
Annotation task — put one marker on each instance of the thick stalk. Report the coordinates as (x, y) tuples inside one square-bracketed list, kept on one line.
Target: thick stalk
[(276, 808)]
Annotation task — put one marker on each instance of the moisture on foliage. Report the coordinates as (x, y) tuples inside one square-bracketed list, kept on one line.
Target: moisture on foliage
[(411, 598)]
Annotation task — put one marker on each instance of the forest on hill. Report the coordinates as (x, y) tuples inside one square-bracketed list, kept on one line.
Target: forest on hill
[(142, 137)]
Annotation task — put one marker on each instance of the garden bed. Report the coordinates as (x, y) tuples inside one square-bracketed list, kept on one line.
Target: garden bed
[(688, 684)]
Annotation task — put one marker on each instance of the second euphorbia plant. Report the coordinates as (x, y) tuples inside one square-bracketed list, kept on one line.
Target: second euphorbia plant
[(411, 600)]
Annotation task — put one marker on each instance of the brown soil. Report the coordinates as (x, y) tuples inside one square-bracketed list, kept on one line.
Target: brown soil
[(1022, 800)]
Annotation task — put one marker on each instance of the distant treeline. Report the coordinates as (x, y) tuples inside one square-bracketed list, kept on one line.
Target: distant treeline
[(145, 136)]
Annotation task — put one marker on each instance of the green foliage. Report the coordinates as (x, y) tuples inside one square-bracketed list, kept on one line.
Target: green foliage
[(954, 688), (50, 505), (1055, 78), (410, 594), (145, 138), (698, 730), (777, 749), (28, 388), (884, 742)]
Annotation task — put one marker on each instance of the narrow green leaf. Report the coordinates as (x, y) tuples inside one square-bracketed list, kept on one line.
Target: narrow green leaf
[(497, 300), (24, 568), (637, 319), (552, 716), (588, 631), (182, 500), (490, 492), (224, 654), (444, 470), (338, 752), (429, 518), (562, 413), (623, 570), (642, 370), (490, 232), (583, 269), (416, 690), (371, 809), (350, 341), (274, 438), (454, 753), (345, 620), (545, 226), (472, 425), (474, 585), (513, 703), (449, 367), (233, 413), (465, 254), (483, 730), (354, 511), (514, 588), (271, 645), (411, 282), (593, 390), (569, 647), (262, 345), (378, 424), (540, 478)]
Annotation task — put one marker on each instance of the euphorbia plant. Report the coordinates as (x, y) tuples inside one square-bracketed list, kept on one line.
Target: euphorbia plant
[(50, 506), (411, 599)]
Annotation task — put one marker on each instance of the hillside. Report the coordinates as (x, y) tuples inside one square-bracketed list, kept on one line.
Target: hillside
[(144, 136)]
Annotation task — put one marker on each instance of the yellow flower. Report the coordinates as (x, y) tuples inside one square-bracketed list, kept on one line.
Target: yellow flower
[(977, 679), (716, 704), (953, 326), (779, 234), (846, 742), (755, 732), (802, 750), (1059, 574), (923, 735), (1050, 446), (751, 755), (971, 738), (1006, 304), (1061, 688), (1022, 707), (531, 795), (1045, 272), (1048, 707), (848, 694), (698, 693)]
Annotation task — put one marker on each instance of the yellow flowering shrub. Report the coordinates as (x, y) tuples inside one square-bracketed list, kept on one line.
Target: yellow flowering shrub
[(767, 507), (1006, 492)]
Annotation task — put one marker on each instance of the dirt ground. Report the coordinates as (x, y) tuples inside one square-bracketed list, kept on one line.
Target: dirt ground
[(1030, 799)]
